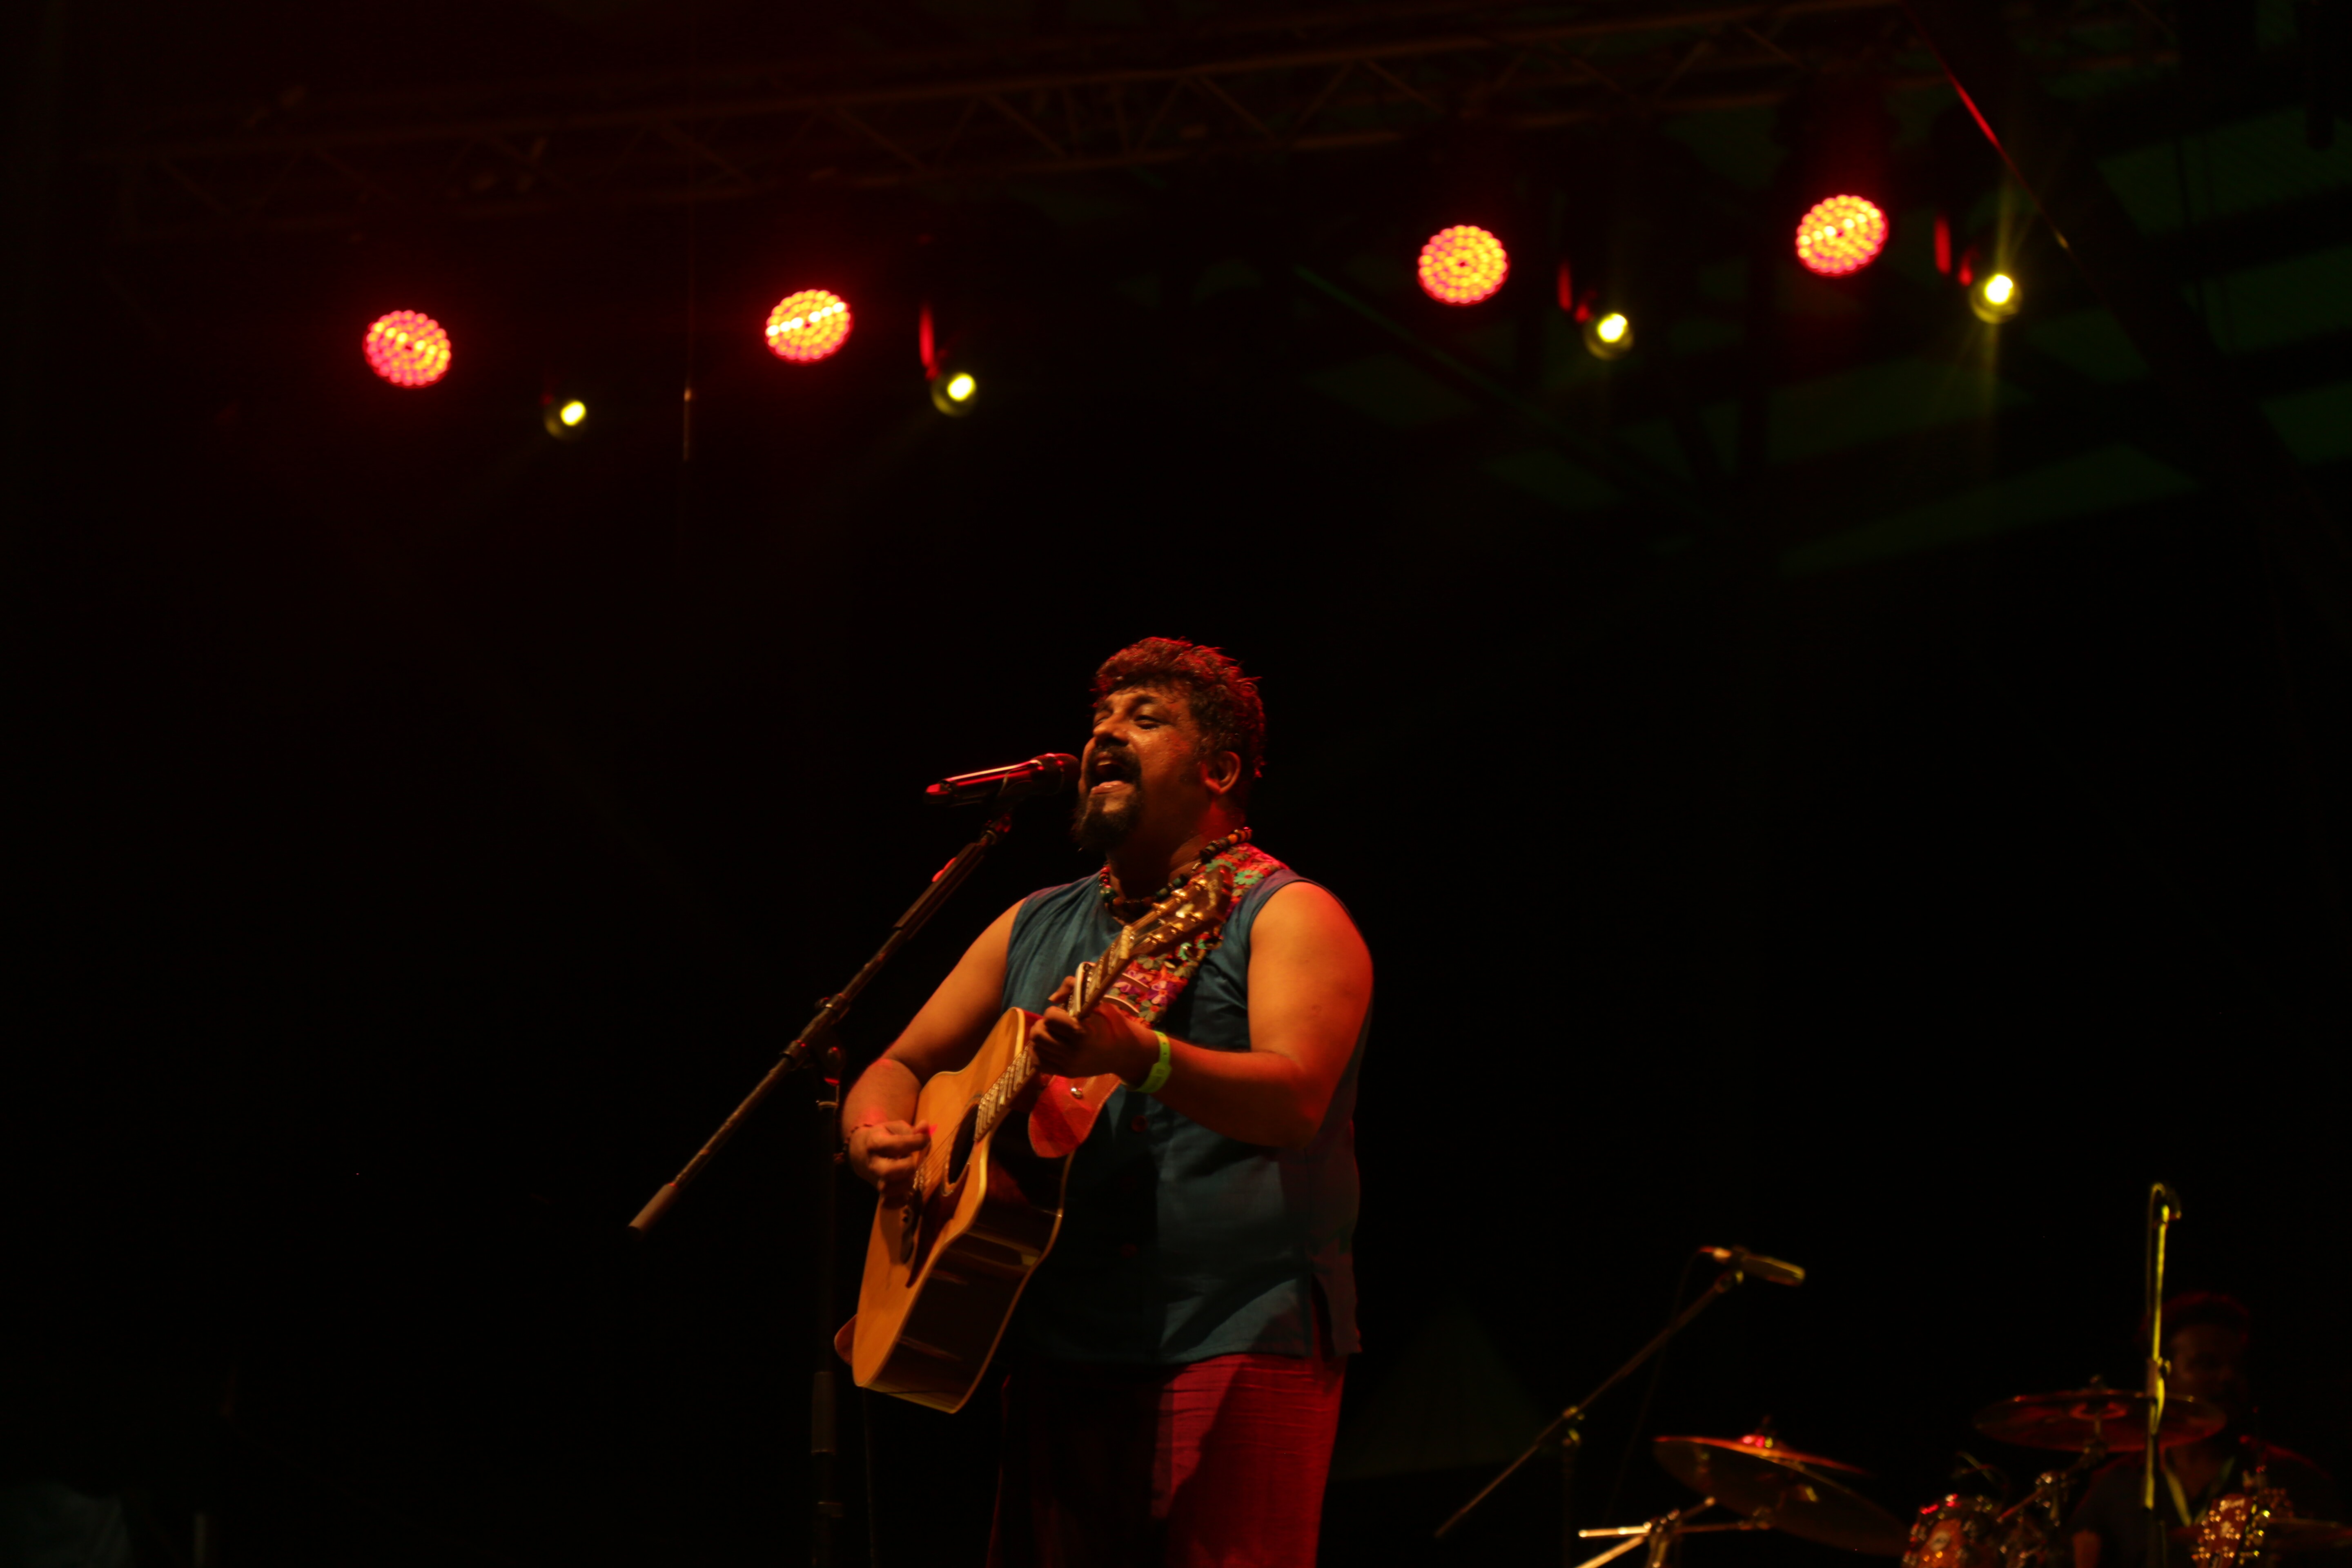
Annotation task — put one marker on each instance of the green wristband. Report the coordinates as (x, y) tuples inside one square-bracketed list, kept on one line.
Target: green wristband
[(1157, 1078)]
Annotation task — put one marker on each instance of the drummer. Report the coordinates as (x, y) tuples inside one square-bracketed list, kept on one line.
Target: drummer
[(2205, 1342)]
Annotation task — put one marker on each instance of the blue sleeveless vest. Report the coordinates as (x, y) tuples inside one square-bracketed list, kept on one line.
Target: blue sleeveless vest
[(1177, 1244)]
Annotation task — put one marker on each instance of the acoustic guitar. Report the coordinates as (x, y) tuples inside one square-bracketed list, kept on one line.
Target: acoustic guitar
[(944, 1271)]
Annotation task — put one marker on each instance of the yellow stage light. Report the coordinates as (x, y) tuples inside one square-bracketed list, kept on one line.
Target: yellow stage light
[(1996, 298), (566, 418), (953, 391), (1610, 335)]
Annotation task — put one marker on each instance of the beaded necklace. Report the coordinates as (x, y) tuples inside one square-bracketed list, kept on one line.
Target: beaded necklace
[(1209, 851)]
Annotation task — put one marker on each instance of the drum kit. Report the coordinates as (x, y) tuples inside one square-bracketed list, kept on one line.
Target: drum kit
[(1771, 1486)]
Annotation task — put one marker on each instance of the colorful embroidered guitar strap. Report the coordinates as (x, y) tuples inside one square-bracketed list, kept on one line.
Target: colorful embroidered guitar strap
[(1151, 983), (1060, 1120)]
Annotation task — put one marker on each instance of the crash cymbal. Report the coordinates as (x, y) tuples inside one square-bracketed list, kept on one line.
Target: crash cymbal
[(2073, 1418), (1789, 1490)]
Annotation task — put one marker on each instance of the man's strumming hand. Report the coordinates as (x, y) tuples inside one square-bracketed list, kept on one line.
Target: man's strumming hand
[(1110, 1039), (885, 1153)]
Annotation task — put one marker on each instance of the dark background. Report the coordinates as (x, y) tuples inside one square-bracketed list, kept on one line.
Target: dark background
[(424, 832)]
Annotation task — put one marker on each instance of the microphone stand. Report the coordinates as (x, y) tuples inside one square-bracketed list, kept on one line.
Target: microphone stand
[(1661, 1535), (2163, 1208), (1568, 1421), (815, 1040)]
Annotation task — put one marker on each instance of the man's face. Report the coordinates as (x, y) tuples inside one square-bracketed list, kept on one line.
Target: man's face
[(2209, 1362), (1141, 764)]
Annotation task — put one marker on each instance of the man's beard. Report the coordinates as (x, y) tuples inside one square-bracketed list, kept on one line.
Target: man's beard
[(1101, 822)]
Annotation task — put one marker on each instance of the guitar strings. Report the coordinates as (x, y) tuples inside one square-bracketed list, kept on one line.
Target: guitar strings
[(937, 1159), (1154, 930)]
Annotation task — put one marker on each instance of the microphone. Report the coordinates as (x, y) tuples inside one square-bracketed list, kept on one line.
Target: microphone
[(1772, 1270), (1003, 786)]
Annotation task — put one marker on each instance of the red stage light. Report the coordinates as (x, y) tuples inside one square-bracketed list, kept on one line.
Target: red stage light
[(808, 325), (1842, 234), (1463, 265), (408, 348)]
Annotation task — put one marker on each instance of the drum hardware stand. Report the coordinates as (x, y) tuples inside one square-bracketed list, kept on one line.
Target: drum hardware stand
[(1565, 1426), (813, 1045), (2051, 1487), (1571, 1444), (1661, 1533), (2163, 1208)]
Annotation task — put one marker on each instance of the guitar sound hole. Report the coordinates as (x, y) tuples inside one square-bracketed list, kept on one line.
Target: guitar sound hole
[(960, 1152)]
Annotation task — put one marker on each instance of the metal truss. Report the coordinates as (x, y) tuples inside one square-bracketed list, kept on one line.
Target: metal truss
[(1357, 78)]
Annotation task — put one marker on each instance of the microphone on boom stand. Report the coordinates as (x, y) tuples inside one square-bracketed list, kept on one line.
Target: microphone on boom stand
[(1770, 1270), (1003, 786), (816, 1046)]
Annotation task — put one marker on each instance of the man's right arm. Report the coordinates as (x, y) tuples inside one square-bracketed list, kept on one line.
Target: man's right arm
[(878, 1116)]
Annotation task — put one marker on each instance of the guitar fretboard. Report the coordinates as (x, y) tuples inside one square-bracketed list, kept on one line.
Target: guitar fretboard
[(1180, 915)]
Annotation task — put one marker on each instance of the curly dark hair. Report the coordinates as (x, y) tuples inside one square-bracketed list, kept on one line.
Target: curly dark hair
[(1224, 702)]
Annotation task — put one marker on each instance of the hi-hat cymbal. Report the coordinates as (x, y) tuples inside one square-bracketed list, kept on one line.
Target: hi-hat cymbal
[(1789, 1490), (2073, 1419)]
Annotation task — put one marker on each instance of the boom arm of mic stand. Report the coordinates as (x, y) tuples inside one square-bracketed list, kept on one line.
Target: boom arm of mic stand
[(1575, 1413), (830, 1012)]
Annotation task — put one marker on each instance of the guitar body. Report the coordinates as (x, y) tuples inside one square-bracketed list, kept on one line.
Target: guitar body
[(943, 1273)]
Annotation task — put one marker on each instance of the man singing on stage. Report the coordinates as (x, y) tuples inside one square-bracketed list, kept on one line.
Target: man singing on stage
[(1175, 1367)]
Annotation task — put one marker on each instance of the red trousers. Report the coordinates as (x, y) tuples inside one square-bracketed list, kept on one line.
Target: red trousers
[(1218, 1463)]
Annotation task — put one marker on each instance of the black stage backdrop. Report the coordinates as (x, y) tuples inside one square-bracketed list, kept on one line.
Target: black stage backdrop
[(425, 832)]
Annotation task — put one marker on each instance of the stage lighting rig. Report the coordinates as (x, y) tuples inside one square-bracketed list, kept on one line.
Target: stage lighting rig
[(565, 418), (953, 386), (1960, 175), (1609, 335), (1995, 298), (1840, 236), (1628, 240), (1463, 265), (1606, 329), (955, 390), (1841, 170), (408, 348), (808, 326)]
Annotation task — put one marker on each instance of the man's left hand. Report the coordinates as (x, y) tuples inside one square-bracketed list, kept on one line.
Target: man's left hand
[(1110, 1039)]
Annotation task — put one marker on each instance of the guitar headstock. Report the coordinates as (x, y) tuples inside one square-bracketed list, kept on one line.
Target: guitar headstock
[(1191, 909), (1187, 911)]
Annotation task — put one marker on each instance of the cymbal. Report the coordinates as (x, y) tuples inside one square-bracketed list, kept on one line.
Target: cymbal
[(2072, 1418), (1789, 1490)]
